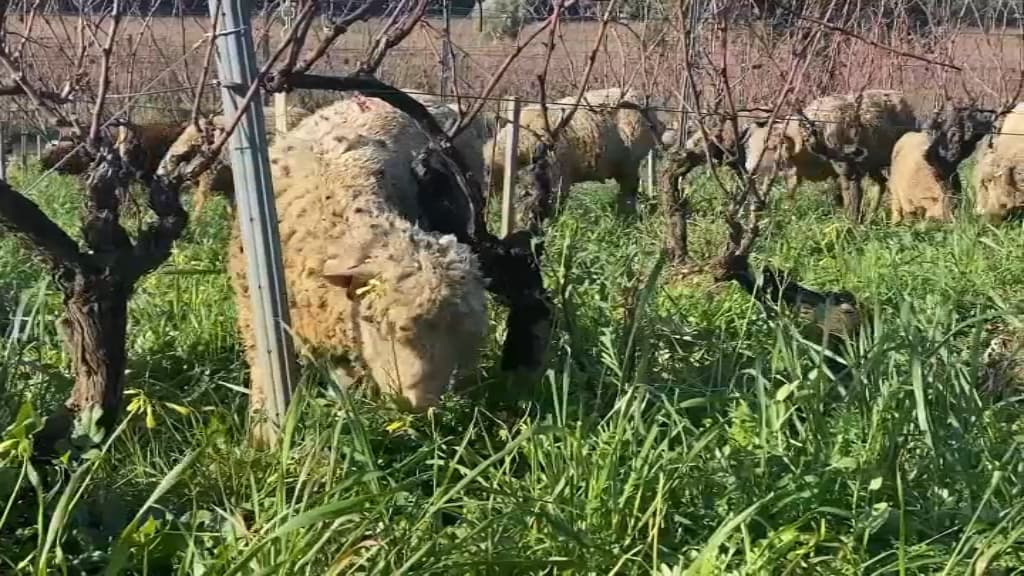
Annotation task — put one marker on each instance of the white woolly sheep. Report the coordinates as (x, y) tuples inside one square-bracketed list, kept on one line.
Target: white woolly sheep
[(999, 173), (923, 179), (361, 275), (853, 133), (603, 140), (218, 179)]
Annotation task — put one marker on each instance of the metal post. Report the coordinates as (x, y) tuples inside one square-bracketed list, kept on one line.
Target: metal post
[(268, 21), (446, 63), (508, 209), (39, 145), (3, 153), (24, 150), (275, 357), (649, 173)]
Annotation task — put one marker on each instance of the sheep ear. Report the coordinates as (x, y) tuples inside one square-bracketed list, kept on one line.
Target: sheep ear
[(351, 278)]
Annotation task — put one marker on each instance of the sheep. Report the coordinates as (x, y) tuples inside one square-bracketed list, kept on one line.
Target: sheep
[(218, 179), (853, 133), (999, 173), (471, 141), (143, 145), (56, 150), (780, 148), (923, 177), (609, 137), (726, 146), (361, 275)]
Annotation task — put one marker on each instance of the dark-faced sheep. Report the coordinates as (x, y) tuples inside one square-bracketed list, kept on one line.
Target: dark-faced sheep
[(471, 141), (361, 275), (923, 179), (999, 173), (218, 179), (609, 137), (853, 133)]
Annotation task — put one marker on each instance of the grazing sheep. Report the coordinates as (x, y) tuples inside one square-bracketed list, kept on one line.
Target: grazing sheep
[(218, 179), (999, 173), (923, 177), (143, 145), (781, 148), (608, 137), (361, 275), (55, 150), (853, 134), (722, 148)]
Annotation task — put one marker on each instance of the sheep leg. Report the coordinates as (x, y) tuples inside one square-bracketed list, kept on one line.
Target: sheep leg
[(198, 199), (627, 197), (793, 181), (896, 211), (852, 195), (883, 183)]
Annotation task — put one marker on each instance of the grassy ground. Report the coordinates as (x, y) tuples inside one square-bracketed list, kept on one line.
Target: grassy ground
[(677, 431)]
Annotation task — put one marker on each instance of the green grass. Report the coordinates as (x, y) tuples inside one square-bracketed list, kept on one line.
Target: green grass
[(677, 430)]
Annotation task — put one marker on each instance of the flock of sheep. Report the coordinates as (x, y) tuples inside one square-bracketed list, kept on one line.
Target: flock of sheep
[(361, 275)]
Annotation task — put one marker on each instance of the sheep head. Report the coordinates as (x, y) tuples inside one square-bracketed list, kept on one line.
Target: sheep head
[(187, 147), (954, 134), (419, 309), (767, 146)]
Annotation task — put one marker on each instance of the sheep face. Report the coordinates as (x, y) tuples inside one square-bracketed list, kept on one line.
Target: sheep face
[(767, 146), (418, 322)]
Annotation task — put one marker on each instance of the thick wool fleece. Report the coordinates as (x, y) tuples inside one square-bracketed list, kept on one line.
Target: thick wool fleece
[(882, 117), (999, 173), (360, 275), (154, 139), (599, 143), (915, 186)]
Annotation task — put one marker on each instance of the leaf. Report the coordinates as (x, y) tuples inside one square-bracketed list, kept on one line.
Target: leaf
[(875, 484), (183, 410), (119, 553)]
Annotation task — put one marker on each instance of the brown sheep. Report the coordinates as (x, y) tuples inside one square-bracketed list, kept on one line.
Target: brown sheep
[(143, 145), (218, 179), (361, 275), (608, 137), (923, 179), (56, 150), (854, 133), (999, 173)]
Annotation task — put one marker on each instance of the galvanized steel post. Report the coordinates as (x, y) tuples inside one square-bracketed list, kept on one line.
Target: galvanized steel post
[(275, 357)]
